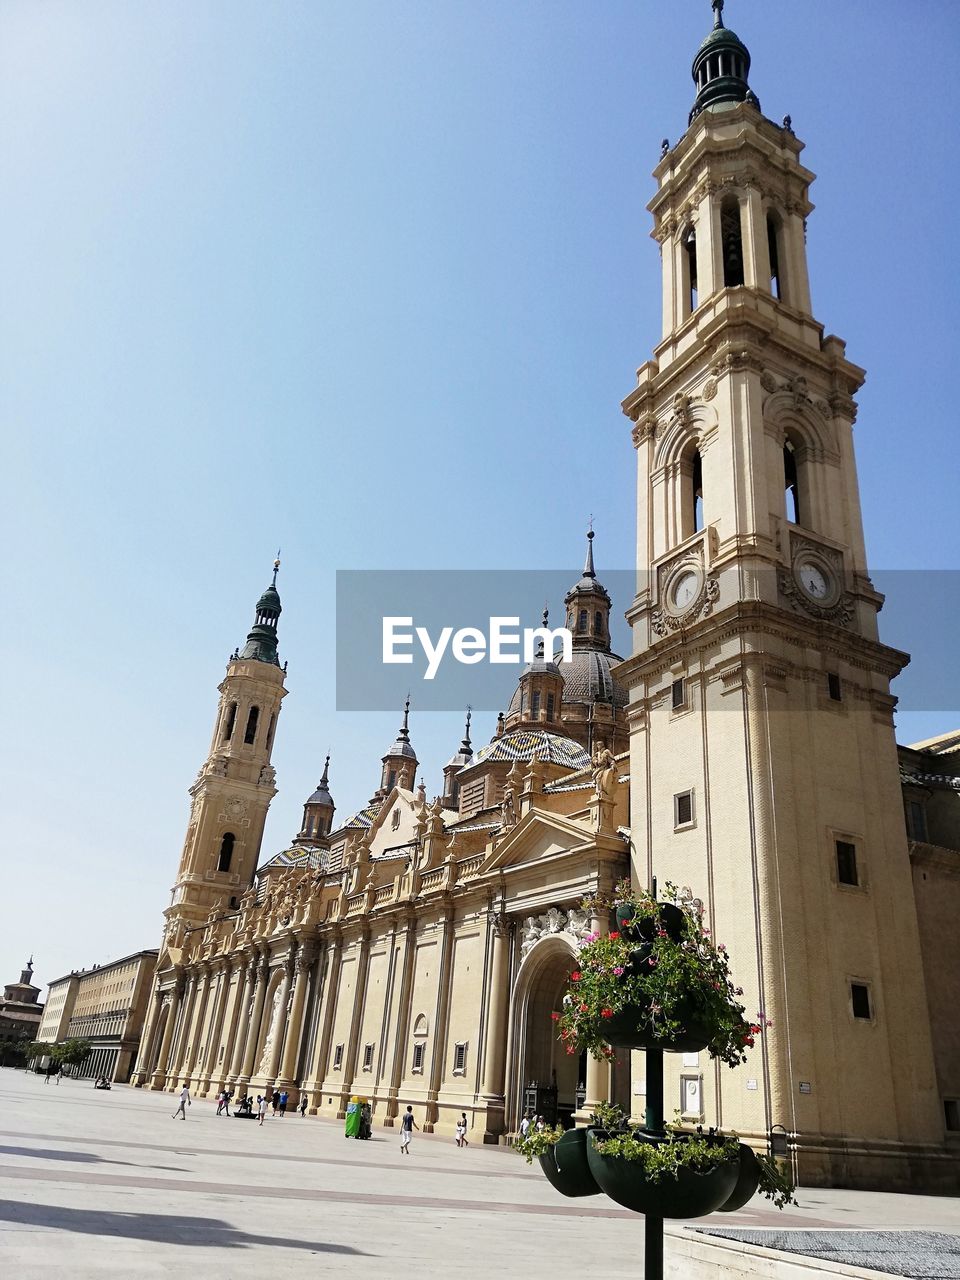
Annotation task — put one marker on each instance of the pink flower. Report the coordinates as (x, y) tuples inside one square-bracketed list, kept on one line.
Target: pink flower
[(618, 970)]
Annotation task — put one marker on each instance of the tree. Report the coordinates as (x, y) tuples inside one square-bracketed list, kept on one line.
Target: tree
[(71, 1053), (14, 1048)]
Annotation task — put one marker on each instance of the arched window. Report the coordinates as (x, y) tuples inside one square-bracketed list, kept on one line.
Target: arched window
[(229, 722), (731, 237), (697, 482), (582, 621), (598, 623), (551, 705), (251, 732), (391, 779), (689, 264), (273, 724), (535, 705), (773, 244), (226, 851), (690, 497), (791, 483)]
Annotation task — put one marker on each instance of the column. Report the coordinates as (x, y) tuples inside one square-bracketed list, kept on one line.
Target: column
[(440, 1022), (280, 1018), (359, 1000), (756, 251), (211, 1064), (402, 1033), (328, 1004), (195, 1056), (291, 1048), (597, 1082), (253, 1031), (235, 1037), (172, 1000), (183, 1034), (148, 1040), (495, 1039)]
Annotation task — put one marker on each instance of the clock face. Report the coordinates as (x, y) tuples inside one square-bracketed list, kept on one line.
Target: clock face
[(813, 580), (685, 590)]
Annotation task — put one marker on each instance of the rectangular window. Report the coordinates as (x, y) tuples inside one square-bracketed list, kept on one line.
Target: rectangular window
[(551, 703), (683, 809), (338, 1057), (368, 1057), (916, 820), (678, 694), (459, 1059), (951, 1114), (418, 1052), (846, 862), (535, 705), (860, 1000), (833, 687)]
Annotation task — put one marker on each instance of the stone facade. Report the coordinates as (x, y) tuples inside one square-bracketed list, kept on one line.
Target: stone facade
[(20, 1011)]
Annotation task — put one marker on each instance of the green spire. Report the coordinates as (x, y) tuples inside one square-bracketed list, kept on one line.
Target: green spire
[(721, 67), (261, 643)]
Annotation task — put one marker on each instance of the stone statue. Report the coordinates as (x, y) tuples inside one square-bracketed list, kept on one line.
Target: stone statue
[(272, 1033)]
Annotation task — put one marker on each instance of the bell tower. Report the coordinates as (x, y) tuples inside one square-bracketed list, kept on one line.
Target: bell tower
[(233, 790), (764, 772)]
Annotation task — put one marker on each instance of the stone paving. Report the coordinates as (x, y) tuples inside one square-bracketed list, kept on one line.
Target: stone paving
[(917, 1255), (108, 1184)]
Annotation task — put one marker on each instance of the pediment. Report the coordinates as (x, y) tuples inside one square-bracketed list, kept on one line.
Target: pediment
[(538, 835)]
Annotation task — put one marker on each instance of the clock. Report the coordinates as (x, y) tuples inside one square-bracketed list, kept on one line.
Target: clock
[(815, 580), (684, 590)]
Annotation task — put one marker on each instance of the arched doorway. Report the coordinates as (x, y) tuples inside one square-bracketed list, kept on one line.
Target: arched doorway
[(544, 1078)]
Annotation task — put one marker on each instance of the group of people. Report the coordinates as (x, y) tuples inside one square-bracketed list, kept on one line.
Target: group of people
[(244, 1108), (530, 1121)]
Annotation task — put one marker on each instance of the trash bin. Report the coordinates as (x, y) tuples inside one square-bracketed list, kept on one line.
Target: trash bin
[(366, 1120), (351, 1128)]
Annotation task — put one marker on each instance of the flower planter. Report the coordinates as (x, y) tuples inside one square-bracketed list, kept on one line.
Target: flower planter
[(748, 1180), (629, 1029), (566, 1167), (671, 919), (689, 1195)]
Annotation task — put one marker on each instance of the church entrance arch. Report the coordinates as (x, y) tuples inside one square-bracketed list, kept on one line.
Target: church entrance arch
[(545, 1079)]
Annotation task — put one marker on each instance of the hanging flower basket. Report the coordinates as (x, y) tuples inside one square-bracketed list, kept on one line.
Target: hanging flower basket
[(660, 982), (748, 1179), (566, 1167), (665, 1177)]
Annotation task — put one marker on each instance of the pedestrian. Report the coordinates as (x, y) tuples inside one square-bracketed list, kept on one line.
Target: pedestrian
[(541, 1124), (261, 1107), (283, 1103), (185, 1102), (525, 1125), (221, 1101), (275, 1100), (407, 1126), (303, 1106), (462, 1130)]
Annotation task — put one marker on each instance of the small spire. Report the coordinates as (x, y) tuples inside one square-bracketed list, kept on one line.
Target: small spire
[(588, 569), (404, 734), (276, 568), (326, 772), (465, 745), (718, 14), (543, 622)]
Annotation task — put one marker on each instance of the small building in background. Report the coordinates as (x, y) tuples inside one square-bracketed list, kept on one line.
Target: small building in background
[(20, 1010)]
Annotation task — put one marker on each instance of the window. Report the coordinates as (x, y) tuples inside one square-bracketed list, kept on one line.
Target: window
[(582, 621), (846, 862), (916, 820), (551, 704), (535, 705), (860, 1001), (226, 851), (598, 623), (833, 687), (391, 779), (231, 720), (459, 1059), (951, 1114), (368, 1057), (395, 820), (418, 1052), (678, 694), (338, 1057), (250, 735), (731, 238), (683, 809), (273, 724), (697, 492), (773, 244), (790, 485), (689, 266)]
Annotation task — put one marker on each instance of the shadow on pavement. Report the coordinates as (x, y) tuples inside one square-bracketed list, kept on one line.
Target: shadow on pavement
[(160, 1228), (82, 1157)]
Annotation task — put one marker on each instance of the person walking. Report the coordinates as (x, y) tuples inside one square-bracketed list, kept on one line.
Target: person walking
[(462, 1130), (221, 1102), (185, 1102), (303, 1106), (283, 1103), (525, 1125), (261, 1107), (275, 1100), (407, 1126)]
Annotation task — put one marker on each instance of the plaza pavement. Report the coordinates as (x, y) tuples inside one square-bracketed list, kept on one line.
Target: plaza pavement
[(107, 1184)]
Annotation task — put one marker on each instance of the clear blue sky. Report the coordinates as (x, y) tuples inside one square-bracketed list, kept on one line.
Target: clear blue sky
[(368, 280)]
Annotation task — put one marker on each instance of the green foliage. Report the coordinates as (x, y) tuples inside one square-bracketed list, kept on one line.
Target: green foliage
[(607, 1115), (775, 1181), (71, 1053), (661, 1161), (669, 980), (14, 1049), (538, 1144)]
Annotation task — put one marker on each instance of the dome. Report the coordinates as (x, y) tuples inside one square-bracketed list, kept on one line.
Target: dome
[(723, 36), (524, 744), (269, 602), (587, 677), (401, 748)]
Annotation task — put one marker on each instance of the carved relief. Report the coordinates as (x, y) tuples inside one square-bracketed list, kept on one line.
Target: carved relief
[(573, 922), (709, 389)]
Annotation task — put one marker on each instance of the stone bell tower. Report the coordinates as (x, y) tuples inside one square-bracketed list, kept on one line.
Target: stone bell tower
[(233, 790), (764, 771)]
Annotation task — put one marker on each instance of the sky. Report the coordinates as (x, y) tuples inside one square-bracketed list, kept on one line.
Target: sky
[(367, 280)]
